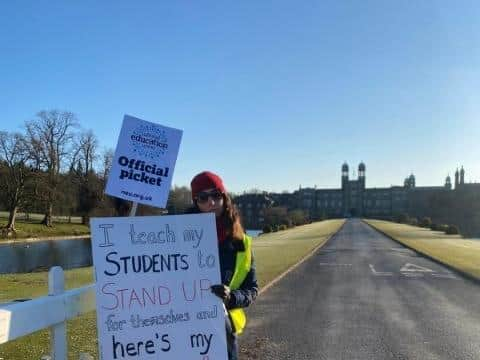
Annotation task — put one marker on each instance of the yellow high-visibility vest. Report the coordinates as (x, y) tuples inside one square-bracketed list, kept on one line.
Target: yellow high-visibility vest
[(243, 263)]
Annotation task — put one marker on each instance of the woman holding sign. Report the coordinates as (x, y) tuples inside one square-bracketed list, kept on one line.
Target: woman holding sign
[(239, 286)]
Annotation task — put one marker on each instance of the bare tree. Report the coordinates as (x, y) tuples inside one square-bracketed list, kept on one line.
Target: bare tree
[(13, 154), (50, 138), (107, 163), (90, 186), (88, 147)]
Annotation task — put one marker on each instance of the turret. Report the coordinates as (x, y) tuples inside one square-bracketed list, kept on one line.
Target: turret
[(410, 182), (344, 174), (361, 170), (448, 183), (457, 176), (462, 176), (361, 174)]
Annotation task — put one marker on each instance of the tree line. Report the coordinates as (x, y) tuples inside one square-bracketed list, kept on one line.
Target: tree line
[(52, 165)]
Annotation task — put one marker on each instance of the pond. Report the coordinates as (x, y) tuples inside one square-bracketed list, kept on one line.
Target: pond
[(21, 256), (253, 233)]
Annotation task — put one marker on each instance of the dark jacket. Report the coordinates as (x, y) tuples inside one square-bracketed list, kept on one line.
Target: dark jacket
[(246, 294), (227, 252)]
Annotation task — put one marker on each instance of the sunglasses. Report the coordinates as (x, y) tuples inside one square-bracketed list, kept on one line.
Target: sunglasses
[(203, 196)]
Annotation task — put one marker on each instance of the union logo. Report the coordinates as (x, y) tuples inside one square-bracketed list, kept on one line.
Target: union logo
[(149, 141)]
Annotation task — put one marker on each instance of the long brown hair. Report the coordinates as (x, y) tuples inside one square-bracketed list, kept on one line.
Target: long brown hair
[(231, 219)]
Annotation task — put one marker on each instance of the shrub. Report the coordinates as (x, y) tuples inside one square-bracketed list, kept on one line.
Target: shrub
[(282, 227), (401, 218), (267, 229), (452, 230), (274, 228), (439, 227), (413, 221), (426, 222), (434, 227)]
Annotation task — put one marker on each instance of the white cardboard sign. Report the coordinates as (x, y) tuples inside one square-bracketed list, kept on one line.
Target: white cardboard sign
[(142, 168), (153, 297)]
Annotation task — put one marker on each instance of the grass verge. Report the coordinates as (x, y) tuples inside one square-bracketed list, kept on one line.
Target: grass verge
[(460, 254), (274, 253)]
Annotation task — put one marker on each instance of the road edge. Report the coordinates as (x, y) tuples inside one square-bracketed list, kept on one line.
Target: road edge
[(300, 262)]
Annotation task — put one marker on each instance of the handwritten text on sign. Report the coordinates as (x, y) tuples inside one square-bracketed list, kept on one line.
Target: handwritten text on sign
[(153, 277)]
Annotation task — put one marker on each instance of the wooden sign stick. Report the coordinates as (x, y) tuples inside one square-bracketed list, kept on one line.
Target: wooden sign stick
[(133, 210)]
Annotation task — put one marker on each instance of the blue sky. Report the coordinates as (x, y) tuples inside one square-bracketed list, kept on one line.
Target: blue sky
[(269, 94)]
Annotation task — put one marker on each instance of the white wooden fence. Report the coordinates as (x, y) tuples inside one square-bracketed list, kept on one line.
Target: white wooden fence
[(52, 311)]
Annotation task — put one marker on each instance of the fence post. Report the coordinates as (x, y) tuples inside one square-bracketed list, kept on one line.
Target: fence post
[(58, 332)]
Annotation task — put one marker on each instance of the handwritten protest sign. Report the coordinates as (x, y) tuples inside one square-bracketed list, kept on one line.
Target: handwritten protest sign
[(144, 160), (153, 278)]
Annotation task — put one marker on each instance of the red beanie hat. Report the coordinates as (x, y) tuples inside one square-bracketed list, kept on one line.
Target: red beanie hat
[(206, 180)]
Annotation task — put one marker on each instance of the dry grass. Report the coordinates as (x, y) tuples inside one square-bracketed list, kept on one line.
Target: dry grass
[(275, 252)]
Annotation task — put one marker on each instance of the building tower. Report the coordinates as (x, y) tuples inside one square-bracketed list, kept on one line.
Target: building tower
[(456, 178), (409, 182), (462, 176), (361, 175), (345, 189), (448, 183), (361, 188), (344, 175), (412, 181)]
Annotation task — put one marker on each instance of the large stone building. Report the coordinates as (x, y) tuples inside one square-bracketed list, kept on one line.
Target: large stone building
[(355, 199)]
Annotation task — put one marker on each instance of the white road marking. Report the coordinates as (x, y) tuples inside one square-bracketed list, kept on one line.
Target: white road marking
[(379, 273), (445, 276), (412, 274), (401, 250), (333, 264), (414, 268)]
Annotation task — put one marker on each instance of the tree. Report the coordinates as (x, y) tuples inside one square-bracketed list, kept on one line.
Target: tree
[(50, 139), (426, 222), (107, 161), (179, 200), (90, 188), (13, 154), (275, 215), (297, 217), (88, 147)]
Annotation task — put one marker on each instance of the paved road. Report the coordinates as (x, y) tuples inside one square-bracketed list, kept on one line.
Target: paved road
[(363, 296)]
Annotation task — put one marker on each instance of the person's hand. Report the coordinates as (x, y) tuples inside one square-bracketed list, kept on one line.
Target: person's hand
[(222, 291)]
